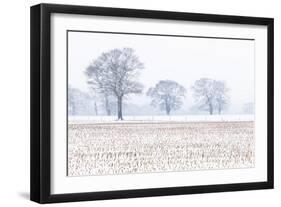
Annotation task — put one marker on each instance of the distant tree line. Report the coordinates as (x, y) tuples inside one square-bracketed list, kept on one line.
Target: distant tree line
[(81, 103), (113, 76)]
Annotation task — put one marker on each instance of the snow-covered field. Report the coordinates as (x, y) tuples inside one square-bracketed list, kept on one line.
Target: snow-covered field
[(108, 147)]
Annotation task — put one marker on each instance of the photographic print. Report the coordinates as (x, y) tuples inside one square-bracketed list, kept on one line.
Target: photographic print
[(150, 103), (130, 103)]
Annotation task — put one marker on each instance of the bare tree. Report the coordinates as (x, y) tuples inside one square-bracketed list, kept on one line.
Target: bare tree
[(115, 73), (96, 108), (203, 93), (75, 101), (210, 94), (221, 96), (109, 105), (167, 94), (72, 97), (80, 103), (105, 101)]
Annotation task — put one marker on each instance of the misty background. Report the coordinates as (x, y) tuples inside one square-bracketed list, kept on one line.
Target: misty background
[(180, 59)]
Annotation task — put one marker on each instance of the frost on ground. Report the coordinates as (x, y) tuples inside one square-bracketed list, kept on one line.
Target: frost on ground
[(123, 148)]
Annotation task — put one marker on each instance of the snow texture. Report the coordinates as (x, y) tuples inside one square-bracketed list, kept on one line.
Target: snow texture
[(125, 147)]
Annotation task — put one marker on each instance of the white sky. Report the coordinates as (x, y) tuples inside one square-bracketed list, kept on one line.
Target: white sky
[(182, 59)]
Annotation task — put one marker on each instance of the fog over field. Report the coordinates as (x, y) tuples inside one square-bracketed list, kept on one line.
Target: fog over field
[(180, 59)]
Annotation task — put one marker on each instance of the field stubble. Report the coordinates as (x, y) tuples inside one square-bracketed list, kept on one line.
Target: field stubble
[(123, 148)]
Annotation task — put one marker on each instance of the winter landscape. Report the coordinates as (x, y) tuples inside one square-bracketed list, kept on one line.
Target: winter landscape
[(146, 104)]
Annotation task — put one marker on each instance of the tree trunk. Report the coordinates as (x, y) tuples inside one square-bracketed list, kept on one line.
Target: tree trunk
[(107, 108), (220, 108), (211, 109), (96, 108), (119, 108), (168, 110), (167, 106)]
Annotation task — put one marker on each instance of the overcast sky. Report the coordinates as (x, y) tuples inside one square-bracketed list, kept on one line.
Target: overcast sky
[(181, 59)]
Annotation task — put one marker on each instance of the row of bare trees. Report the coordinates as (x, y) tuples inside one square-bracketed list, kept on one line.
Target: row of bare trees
[(209, 95), (81, 103), (84, 103), (114, 75)]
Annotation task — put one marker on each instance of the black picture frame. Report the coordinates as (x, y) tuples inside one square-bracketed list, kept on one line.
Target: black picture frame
[(40, 184)]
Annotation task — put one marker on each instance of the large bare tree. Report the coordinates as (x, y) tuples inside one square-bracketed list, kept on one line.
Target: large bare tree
[(210, 94), (167, 94), (116, 73)]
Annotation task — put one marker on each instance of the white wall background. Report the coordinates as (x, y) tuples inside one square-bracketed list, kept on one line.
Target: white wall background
[(14, 104)]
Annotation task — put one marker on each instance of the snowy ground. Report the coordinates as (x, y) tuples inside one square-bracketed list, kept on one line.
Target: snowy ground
[(158, 146)]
